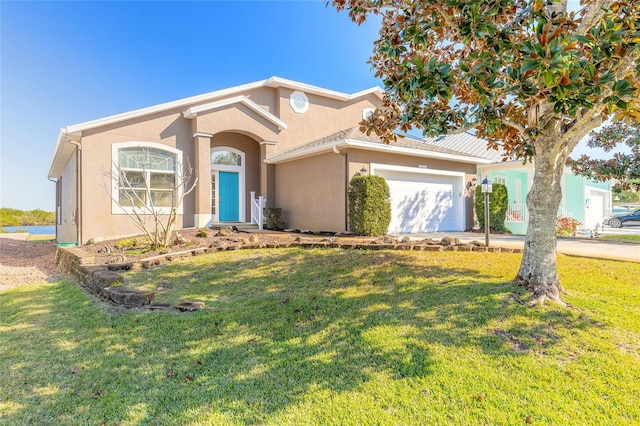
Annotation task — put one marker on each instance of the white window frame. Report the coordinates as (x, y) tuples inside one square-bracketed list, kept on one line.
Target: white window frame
[(366, 112), (228, 168), (116, 208), (501, 179), (292, 102)]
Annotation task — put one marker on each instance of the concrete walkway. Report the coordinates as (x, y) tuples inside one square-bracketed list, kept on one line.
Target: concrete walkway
[(586, 247)]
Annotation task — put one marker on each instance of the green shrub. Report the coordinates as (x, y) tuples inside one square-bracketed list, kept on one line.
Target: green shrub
[(127, 243), (498, 204), (202, 233), (274, 218), (369, 205)]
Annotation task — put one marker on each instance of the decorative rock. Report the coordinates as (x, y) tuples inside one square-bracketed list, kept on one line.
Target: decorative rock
[(128, 296), (189, 306), (224, 232), (405, 240), (104, 250), (449, 241), (387, 239), (253, 239), (477, 243)]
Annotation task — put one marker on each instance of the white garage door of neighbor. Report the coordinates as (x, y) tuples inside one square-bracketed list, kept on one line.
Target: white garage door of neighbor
[(424, 202)]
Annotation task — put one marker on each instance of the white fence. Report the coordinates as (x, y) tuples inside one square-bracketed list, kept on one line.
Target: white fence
[(257, 209), (519, 213)]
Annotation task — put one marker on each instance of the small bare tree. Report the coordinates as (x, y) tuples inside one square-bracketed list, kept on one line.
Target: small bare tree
[(150, 198)]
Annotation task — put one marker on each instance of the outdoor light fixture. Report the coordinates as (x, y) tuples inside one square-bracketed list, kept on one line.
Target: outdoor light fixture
[(472, 183), (363, 170), (487, 188)]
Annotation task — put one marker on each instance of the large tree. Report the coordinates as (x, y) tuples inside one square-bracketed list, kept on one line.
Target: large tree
[(531, 77)]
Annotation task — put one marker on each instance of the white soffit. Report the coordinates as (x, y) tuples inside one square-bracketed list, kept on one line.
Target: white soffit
[(194, 111)]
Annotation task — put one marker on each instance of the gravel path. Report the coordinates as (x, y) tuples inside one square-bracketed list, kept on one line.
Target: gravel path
[(22, 262)]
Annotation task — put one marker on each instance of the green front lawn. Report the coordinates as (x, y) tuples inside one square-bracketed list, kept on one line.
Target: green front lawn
[(629, 238), (323, 336)]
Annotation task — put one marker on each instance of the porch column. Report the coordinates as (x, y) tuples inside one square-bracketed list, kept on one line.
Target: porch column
[(267, 149), (202, 153)]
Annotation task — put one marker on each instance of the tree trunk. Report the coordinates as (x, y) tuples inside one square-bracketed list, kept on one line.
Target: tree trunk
[(538, 271)]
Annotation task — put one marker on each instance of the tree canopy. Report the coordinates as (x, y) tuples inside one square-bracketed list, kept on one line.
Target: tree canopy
[(15, 217), (531, 77), (622, 167)]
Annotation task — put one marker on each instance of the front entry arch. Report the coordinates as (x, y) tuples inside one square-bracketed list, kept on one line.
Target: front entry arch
[(227, 184)]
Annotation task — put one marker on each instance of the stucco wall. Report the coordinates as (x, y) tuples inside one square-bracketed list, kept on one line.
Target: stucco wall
[(169, 129), (324, 117), (66, 228), (311, 193)]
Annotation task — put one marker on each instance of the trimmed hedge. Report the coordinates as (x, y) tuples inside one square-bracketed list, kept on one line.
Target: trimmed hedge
[(498, 204), (369, 205)]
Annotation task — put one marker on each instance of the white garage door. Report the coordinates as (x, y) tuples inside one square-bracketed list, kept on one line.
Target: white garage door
[(424, 202)]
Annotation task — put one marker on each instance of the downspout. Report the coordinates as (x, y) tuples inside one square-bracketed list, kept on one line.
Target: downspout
[(346, 186), (57, 203), (78, 215)]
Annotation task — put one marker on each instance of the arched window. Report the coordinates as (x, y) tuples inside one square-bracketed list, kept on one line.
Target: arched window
[(145, 176), (226, 158)]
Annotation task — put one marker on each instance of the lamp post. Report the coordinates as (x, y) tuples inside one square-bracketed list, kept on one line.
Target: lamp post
[(487, 188)]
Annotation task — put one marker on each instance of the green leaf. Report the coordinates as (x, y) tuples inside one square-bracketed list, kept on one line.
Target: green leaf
[(529, 64), (548, 78)]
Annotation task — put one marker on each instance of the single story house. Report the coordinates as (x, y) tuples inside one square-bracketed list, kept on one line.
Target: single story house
[(294, 144), (583, 199)]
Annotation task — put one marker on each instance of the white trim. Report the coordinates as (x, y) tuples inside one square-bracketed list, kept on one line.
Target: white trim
[(194, 111), (202, 220), (372, 146), (241, 170), (58, 160), (117, 208), (292, 102), (270, 82), (268, 143), (366, 112), (202, 135), (461, 176)]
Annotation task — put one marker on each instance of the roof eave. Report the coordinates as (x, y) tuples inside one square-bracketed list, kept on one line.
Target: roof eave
[(372, 146), (60, 156)]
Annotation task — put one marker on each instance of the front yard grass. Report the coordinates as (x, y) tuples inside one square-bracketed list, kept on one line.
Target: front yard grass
[(629, 238), (325, 336)]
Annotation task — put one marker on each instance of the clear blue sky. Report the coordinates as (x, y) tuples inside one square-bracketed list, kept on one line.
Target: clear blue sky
[(67, 62)]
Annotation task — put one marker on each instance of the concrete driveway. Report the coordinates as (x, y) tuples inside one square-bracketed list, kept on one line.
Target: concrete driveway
[(586, 247)]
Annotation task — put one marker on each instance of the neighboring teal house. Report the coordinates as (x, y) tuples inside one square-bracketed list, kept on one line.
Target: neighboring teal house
[(583, 199)]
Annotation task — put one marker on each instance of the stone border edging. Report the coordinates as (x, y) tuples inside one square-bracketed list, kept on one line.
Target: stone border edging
[(100, 280), (105, 281)]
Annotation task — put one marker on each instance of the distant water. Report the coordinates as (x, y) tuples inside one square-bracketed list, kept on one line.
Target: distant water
[(32, 229)]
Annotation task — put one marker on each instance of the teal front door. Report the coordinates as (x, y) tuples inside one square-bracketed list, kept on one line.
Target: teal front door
[(229, 184)]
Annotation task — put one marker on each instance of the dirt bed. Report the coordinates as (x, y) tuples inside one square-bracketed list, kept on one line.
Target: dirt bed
[(22, 262), (107, 252)]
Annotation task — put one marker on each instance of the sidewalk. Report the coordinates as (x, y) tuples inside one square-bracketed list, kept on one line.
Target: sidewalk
[(586, 247)]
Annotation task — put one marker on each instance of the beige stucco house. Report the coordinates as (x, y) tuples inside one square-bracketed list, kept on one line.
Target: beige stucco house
[(295, 144)]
